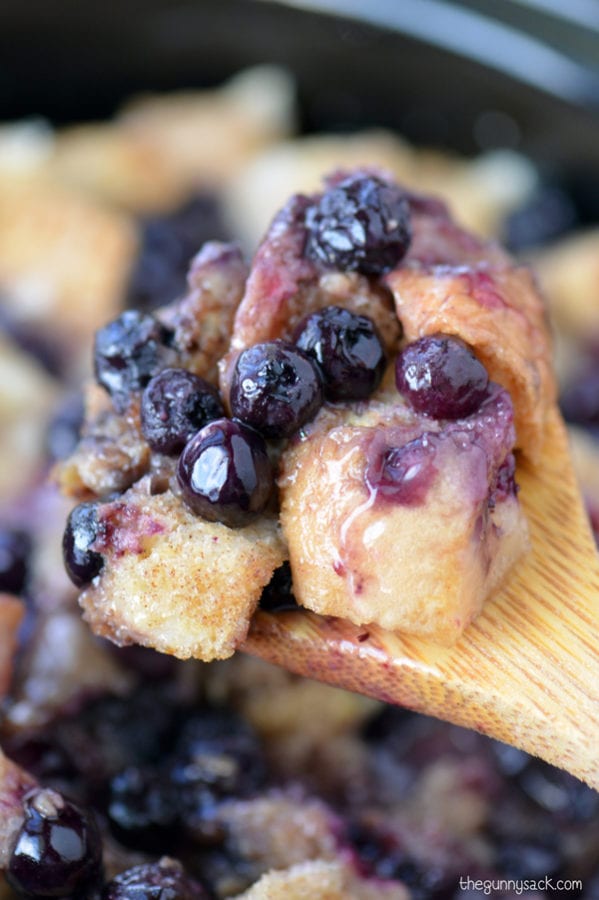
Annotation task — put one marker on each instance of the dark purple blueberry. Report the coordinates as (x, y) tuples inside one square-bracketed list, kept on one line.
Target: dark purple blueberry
[(81, 562), (63, 430), (111, 734), (275, 388), (362, 224), (217, 756), (219, 748), (167, 244), (128, 352), (441, 377), (348, 350), (175, 404), (278, 593), (15, 549), (58, 851), (225, 474), (143, 810), (164, 880), (403, 474)]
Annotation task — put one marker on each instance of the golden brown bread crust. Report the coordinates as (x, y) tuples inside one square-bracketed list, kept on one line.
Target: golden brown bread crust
[(111, 453), (501, 315), (321, 880), (278, 830), (295, 841)]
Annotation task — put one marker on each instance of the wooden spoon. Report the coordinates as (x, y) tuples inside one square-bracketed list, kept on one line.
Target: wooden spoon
[(526, 672)]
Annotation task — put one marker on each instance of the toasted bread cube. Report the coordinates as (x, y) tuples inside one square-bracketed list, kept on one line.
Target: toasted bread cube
[(416, 555), (174, 581)]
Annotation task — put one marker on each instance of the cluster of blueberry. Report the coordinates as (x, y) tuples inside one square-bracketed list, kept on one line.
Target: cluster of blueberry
[(277, 387), (155, 783), (224, 471)]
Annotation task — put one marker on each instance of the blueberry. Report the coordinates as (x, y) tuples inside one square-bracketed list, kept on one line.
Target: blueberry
[(441, 377), (81, 562), (212, 737), (15, 549), (111, 734), (362, 224), (225, 474), (164, 880), (403, 474), (275, 388), (348, 350), (217, 756), (64, 428), (168, 243), (142, 809), (58, 851), (128, 352), (175, 404)]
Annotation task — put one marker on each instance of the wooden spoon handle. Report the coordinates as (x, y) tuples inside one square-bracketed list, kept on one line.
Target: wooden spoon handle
[(526, 672)]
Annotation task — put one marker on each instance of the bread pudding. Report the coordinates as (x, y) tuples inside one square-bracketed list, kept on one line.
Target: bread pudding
[(398, 501), (415, 375)]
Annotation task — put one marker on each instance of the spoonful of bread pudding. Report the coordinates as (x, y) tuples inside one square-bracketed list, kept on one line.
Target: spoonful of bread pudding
[(359, 435)]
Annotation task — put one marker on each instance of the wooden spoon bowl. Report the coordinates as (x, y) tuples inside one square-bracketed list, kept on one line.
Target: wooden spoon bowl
[(526, 672)]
